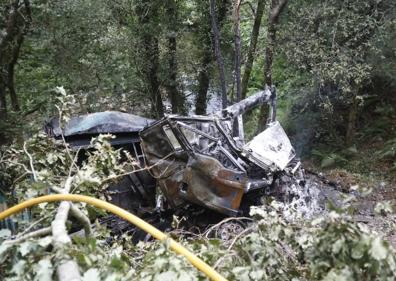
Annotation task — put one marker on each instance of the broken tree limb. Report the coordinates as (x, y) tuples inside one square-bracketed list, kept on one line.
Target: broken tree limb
[(82, 218), (77, 214), (248, 103), (37, 233), (30, 162), (67, 269)]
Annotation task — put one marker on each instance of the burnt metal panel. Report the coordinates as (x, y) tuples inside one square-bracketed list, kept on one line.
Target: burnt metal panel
[(185, 175), (107, 122), (206, 182)]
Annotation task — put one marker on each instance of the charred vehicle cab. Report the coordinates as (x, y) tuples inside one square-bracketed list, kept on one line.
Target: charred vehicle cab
[(197, 160)]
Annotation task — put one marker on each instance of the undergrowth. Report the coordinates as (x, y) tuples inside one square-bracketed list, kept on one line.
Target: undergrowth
[(332, 246)]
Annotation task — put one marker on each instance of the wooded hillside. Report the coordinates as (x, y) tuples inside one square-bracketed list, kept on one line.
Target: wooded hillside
[(332, 63)]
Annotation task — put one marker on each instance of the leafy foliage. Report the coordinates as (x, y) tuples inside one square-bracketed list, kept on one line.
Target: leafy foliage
[(329, 53)]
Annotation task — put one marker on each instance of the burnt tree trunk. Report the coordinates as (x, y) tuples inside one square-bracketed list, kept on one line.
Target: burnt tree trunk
[(219, 58), (252, 47), (276, 9)]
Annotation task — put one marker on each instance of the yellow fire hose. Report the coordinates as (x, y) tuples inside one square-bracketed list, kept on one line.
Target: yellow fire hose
[(175, 246)]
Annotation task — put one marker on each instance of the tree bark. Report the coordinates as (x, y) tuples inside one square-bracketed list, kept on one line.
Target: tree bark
[(176, 97), (3, 101), (67, 269), (219, 58), (10, 31), (203, 81), (11, 73), (352, 118), (149, 52), (152, 55), (17, 23), (204, 42), (3, 111), (276, 9), (238, 122), (237, 42), (252, 47)]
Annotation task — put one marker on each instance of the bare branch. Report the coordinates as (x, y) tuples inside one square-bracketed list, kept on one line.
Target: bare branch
[(33, 234), (77, 213), (82, 218), (30, 161), (32, 225), (277, 10), (68, 269)]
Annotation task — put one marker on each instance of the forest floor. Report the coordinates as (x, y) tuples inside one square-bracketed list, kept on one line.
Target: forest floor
[(377, 186)]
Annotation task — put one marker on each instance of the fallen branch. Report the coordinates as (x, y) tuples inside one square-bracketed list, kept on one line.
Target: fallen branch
[(33, 234), (32, 225), (82, 218), (30, 161), (67, 269), (77, 213)]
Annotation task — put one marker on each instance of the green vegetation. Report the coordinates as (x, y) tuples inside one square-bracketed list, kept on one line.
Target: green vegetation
[(329, 247), (333, 63)]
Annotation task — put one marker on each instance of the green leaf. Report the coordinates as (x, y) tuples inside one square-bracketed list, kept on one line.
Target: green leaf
[(3, 250), (19, 267), (44, 270), (44, 242), (357, 252), (25, 248), (327, 162), (378, 249), (337, 246), (5, 233), (167, 276), (91, 275)]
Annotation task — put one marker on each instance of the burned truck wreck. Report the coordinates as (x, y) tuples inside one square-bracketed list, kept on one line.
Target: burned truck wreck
[(194, 161)]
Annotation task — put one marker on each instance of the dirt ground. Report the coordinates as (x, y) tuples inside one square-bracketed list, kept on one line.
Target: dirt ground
[(368, 191)]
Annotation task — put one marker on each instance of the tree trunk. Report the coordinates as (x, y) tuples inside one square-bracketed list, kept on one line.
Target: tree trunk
[(219, 58), (149, 54), (3, 101), (177, 98), (252, 47), (11, 73), (17, 23), (203, 81), (276, 9), (238, 122), (3, 111), (152, 56), (237, 42), (352, 118)]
